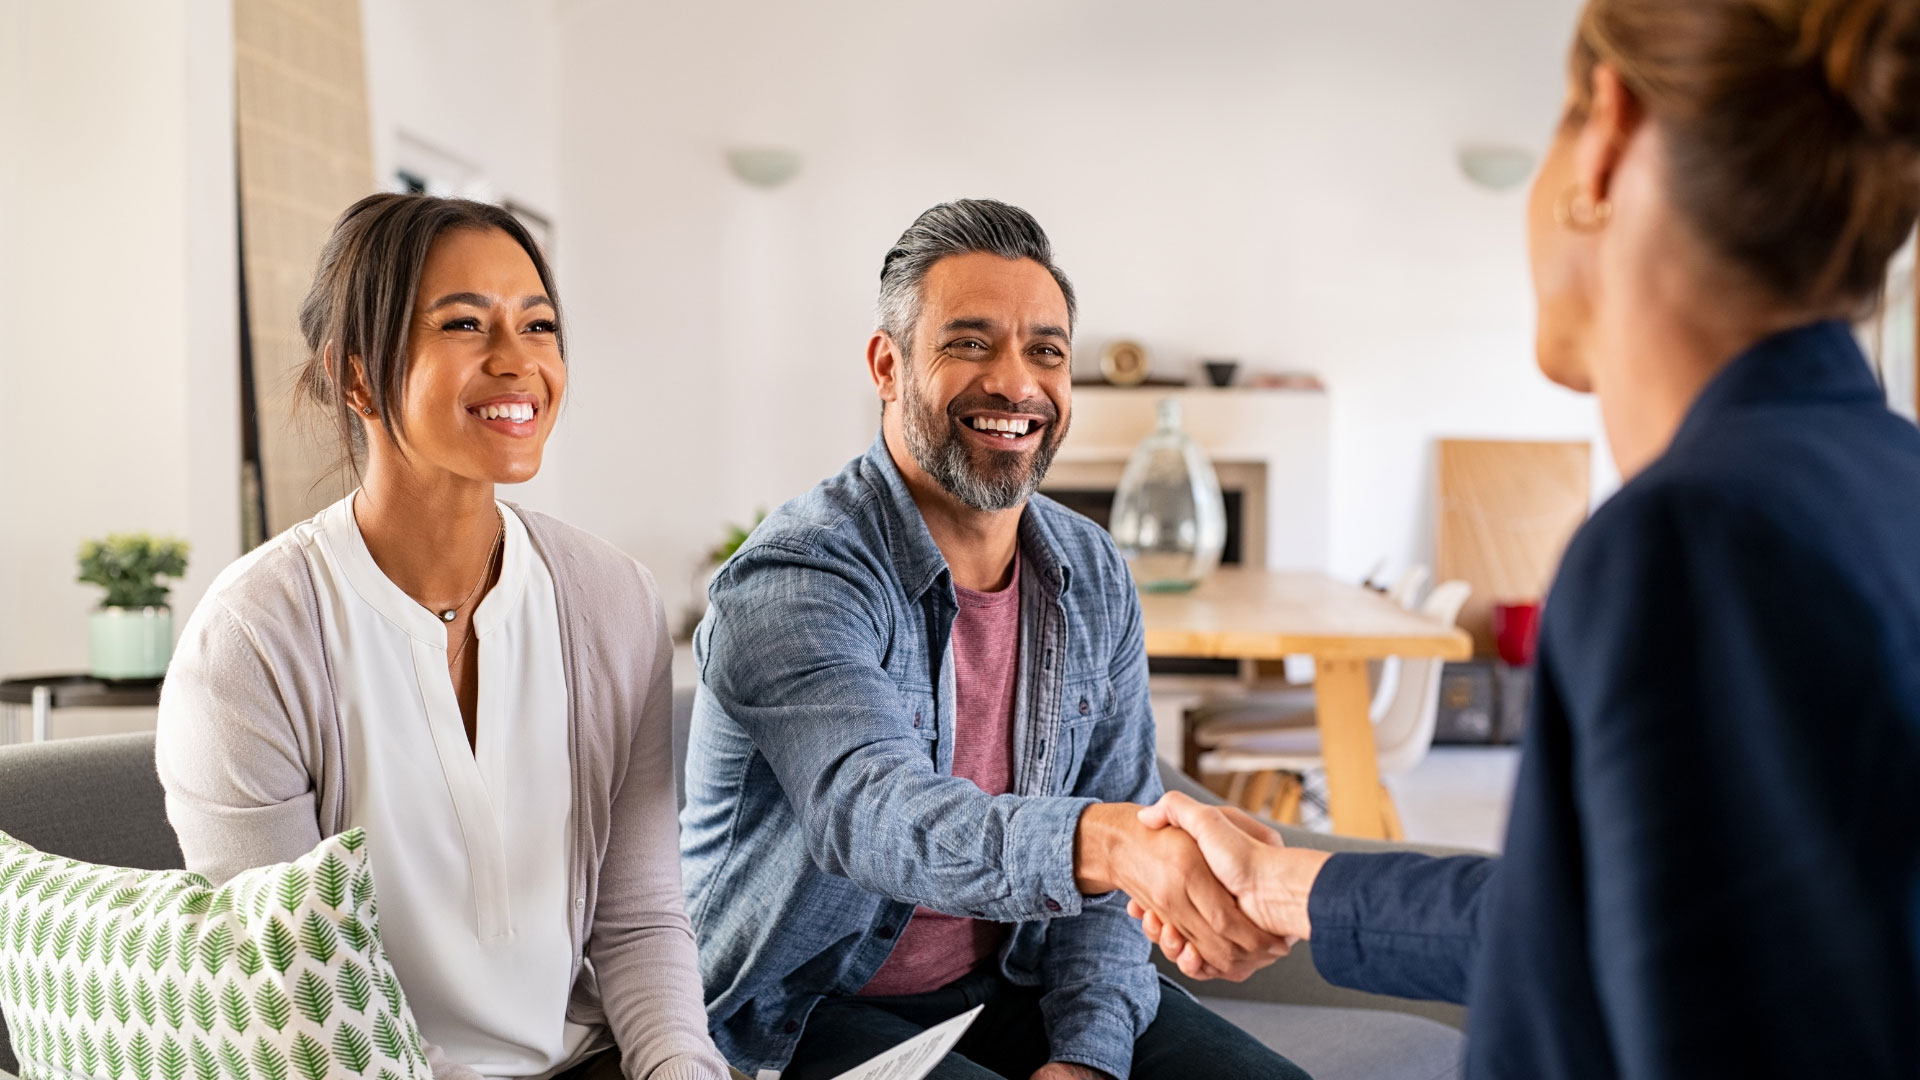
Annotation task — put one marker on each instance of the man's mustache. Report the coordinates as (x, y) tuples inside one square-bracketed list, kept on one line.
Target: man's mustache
[(1035, 407)]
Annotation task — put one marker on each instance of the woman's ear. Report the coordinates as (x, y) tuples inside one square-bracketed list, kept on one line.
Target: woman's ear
[(1613, 118), (355, 388)]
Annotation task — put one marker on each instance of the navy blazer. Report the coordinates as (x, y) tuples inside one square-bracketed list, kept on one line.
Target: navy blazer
[(1712, 866)]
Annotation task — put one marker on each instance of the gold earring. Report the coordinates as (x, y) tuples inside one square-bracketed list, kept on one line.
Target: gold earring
[(1566, 211)]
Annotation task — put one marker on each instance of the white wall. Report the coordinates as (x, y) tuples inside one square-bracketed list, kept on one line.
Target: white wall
[(477, 79), (474, 82), (118, 262), (1268, 180)]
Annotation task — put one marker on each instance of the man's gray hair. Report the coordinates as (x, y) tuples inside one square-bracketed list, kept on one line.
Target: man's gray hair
[(962, 227)]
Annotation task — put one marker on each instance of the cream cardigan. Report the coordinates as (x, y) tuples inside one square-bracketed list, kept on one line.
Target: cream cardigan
[(250, 753)]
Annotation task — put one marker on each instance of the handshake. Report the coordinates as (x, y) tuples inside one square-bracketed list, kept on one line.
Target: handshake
[(1216, 889)]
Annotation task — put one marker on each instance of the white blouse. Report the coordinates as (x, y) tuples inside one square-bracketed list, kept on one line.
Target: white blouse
[(469, 845)]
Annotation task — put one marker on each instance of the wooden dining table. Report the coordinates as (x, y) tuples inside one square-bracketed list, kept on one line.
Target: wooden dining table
[(1245, 614)]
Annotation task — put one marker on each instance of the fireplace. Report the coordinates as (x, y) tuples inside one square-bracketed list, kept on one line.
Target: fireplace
[(1088, 487), (1097, 503), (1270, 451), (1269, 448)]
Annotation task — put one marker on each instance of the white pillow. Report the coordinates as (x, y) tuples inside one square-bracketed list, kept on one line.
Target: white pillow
[(155, 975)]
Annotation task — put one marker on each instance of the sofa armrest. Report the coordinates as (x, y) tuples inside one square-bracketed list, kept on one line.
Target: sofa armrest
[(1294, 980)]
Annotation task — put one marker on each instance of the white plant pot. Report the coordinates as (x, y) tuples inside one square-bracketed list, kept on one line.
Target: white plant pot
[(130, 643)]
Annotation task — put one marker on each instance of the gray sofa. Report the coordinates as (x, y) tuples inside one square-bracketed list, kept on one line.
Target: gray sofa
[(97, 800)]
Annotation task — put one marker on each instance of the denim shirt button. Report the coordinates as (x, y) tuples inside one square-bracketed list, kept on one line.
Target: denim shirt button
[(1084, 707), (916, 719), (1052, 904), (886, 931), (792, 1026)]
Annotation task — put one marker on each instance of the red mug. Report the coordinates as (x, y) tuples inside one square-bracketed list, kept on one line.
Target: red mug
[(1516, 629)]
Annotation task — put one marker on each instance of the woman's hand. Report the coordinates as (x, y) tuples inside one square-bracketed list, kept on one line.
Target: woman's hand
[(1270, 881)]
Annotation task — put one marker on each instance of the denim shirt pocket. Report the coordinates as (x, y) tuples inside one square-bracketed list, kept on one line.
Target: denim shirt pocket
[(1084, 703)]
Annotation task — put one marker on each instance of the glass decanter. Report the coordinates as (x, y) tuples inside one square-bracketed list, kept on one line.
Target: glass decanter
[(1169, 520)]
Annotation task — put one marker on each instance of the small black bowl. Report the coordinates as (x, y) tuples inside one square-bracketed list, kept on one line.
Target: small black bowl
[(1220, 372)]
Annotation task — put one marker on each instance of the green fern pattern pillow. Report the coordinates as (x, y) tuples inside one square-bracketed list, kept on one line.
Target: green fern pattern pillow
[(156, 975)]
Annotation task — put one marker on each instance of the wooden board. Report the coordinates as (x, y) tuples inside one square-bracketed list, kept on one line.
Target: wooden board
[(1242, 614), (305, 155), (1507, 510)]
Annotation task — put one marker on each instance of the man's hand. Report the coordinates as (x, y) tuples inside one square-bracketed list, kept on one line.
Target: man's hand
[(1163, 869), (1061, 1070), (1270, 881)]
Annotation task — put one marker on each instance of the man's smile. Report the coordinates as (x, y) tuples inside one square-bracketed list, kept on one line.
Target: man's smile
[(1002, 430)]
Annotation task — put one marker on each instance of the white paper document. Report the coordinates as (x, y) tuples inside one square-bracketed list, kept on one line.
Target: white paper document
[(916, 1057)]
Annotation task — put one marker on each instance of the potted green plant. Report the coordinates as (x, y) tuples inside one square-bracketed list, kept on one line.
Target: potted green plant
[(131, 634), (736, 536)]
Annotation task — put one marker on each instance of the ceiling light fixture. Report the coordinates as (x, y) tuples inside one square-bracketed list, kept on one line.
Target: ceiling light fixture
[(1496, 168), (763, 166)]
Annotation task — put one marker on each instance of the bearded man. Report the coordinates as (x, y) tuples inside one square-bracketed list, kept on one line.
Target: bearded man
[(922, 728)]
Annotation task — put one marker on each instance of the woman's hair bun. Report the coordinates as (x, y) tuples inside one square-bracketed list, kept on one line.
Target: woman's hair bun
[(1869, 51)]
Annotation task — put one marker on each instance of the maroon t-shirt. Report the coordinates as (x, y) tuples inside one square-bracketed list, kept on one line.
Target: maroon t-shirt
[(935, 949)]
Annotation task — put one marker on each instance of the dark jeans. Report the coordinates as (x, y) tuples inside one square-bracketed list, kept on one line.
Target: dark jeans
[(1008, 1040)]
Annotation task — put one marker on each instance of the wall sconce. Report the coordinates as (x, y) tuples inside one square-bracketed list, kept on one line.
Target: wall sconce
[(1496, 168), (763, 166)]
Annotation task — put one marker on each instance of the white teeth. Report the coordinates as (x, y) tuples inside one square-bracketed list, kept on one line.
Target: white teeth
[(518, 412), (1012, 429)]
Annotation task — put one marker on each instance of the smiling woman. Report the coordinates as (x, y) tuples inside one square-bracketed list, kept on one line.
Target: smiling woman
[(469, 278), (413, 661)]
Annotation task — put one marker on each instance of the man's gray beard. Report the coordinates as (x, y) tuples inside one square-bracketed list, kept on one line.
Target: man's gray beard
[(944, 456)]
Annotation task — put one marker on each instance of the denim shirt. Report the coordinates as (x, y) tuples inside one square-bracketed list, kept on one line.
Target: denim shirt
[(821, 801)]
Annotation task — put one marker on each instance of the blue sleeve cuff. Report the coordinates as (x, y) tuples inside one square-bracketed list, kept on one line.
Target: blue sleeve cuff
[(1098, 1037), (1039, 860), (1331, 910), (1398, 923)]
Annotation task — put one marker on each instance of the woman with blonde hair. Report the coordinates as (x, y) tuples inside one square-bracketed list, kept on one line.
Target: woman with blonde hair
[(1713, 861), (484, 690)]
